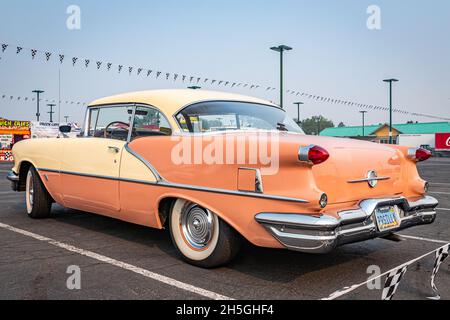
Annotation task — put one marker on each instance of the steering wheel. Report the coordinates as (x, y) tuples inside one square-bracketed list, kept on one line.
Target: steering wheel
[(112, 132)]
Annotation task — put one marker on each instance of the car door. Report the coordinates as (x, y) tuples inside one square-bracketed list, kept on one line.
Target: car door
[(91, 165)]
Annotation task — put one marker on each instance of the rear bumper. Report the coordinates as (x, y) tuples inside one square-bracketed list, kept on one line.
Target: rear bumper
[(322, 234), (14, 178)]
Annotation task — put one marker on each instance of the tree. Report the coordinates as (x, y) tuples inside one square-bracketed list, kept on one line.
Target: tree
[(316, 124), (341, 125)]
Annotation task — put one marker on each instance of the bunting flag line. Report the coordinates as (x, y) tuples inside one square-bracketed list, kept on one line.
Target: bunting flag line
[(19, 98), (249, 86), (441, 255)]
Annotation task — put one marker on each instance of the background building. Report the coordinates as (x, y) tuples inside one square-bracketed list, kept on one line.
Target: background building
[(408, 134)]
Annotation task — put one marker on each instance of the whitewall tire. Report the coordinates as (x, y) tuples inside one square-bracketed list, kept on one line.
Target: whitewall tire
[(37, 199), (201, 238)]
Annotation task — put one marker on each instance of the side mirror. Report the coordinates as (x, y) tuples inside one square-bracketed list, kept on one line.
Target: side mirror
[(65, 129)]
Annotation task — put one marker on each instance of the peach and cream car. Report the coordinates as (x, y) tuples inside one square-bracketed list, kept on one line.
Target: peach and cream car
[(185, 160)]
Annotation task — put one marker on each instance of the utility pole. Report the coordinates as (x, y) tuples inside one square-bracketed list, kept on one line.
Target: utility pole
[(281, 49), (66, 118), (38, 93), (363, 122), (390, 81), (298, 111), (51, 112)]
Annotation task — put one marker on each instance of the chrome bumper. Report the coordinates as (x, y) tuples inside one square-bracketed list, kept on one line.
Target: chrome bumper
[(322, 234), (14, 178)]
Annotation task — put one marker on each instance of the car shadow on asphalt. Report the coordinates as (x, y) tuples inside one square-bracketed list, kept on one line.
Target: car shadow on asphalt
[(273, 265)]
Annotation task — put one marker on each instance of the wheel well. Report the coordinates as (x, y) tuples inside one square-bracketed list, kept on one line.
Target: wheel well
[(164, 209), (24, 167)]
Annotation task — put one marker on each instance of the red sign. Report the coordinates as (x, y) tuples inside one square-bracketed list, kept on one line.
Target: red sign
[(443, 141), (6, 156)]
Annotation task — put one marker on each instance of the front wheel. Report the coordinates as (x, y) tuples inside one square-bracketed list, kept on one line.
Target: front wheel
[(38, 200), (201, 237)]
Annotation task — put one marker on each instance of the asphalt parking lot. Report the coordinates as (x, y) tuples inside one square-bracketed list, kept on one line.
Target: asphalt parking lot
[(123, 261)]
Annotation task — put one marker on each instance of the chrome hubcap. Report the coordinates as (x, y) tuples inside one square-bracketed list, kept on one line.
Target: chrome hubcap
[(30, 191), (197, 225)]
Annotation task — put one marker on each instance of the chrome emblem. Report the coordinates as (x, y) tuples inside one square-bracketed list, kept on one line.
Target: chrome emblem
[(372, 178)]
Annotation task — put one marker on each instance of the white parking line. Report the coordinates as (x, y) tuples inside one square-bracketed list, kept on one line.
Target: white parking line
[(120, 264), (347, 290), (439, 184), (446, 193), (423, 239), (444, 209)]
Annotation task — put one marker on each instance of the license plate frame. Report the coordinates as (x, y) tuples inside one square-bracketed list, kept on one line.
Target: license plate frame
[(387, 218)]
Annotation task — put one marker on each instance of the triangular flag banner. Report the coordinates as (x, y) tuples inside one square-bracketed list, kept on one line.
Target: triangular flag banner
[(183, 78), (33, 53), (392, 281), (175, 77), (149, 72), (120, 68), (108, 66), (158, 74), (74, 61), (4, 47), (19, 49), (167, 76), (139, 71), (441, 255), (130, 70), (86, 62), (48, 55), (61, 58), (99, 65)]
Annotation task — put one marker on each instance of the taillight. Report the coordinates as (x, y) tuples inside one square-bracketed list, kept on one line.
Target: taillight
[(419, 154), (313, 154)]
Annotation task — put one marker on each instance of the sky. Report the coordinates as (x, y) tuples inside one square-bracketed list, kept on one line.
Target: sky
[(335, 54)]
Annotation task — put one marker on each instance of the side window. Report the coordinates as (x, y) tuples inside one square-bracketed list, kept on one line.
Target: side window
[(111, 122), (150, 122)]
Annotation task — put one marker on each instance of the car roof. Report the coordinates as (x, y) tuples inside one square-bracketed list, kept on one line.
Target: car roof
[(172, 101)]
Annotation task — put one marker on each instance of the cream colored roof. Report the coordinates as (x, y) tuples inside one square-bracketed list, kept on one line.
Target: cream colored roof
[(171, 101)]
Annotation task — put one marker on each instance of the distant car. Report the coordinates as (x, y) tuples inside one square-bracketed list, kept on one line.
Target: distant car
[(326, 192)]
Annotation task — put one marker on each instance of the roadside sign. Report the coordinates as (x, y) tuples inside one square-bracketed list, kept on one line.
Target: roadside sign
[(443, 141)]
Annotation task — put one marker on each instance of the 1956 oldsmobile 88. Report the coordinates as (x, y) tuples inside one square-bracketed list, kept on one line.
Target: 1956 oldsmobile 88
[(153, 158)]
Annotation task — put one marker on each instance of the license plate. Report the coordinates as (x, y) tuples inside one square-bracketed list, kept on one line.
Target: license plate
[(387, 218)]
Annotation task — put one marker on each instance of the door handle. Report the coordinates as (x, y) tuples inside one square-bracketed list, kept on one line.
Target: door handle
[(114, 149)]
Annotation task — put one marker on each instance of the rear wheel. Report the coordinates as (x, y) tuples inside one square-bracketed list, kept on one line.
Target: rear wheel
[(201, 238), (38, 200)]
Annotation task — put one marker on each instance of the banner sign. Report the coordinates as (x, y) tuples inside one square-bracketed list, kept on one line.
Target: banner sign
[(6, 141), (41, 130), (442, 141), (6, 156), (11, 125)]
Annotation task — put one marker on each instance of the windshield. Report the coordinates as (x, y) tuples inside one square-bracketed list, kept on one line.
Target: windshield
[(225, 116)]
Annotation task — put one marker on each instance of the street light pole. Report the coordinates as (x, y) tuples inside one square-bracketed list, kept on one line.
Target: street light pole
[(363, 122), (38, 93), (281, 49), (51, 112), (66, 118), (390, 81), (298, 110)]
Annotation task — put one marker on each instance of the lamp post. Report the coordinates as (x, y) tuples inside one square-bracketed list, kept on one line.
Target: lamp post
[(298, 110), (66, 118), (51, 112), (390, 81), (38, 93), (281, 49), (363, 122)]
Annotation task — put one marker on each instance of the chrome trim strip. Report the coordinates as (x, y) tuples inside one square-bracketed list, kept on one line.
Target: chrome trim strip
[(259, 188), (369, 179), (155, 172), (185, 187)]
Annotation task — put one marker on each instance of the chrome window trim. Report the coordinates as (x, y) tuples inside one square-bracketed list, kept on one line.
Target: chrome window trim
[(167, 184)]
